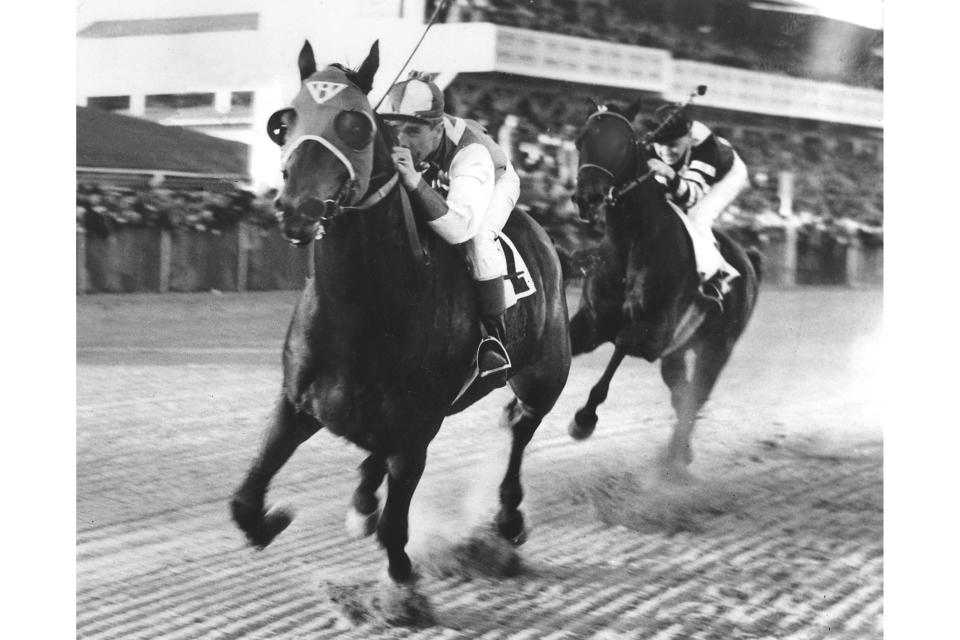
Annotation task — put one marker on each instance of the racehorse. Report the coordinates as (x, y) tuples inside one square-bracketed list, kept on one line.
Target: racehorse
[(640, 291), (383, 336)]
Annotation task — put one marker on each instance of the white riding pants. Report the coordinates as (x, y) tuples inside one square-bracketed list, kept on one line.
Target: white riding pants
[(483, 252)]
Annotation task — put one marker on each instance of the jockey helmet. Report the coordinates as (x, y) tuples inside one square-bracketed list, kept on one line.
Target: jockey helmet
[(678, 124), (416, 99)]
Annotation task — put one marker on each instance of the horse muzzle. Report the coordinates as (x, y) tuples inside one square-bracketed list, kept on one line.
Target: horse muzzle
[(306, 222)]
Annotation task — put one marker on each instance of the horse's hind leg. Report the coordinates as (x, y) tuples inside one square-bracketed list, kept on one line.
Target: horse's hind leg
[(689, 395), (585, 420), (286, 432), (364, 512)]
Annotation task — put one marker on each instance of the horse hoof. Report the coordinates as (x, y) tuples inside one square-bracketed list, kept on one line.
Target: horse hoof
[(259, 527), (274, 523), (359, 525), (583, 424), (512, 528)]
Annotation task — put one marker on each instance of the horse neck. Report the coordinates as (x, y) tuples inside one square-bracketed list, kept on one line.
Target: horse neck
[(643, 215), (364, 257)]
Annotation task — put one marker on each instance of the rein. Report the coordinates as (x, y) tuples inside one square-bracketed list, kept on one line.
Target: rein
[(420, 254)]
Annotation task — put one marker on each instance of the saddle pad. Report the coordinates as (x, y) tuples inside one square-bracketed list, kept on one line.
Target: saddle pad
[(517, 283)]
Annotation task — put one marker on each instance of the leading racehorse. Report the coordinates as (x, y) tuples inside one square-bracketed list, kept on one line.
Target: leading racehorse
[(640, 292), (384, 334)]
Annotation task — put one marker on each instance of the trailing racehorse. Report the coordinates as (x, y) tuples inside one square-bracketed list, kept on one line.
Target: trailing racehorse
[(382, 339), (641, 291)]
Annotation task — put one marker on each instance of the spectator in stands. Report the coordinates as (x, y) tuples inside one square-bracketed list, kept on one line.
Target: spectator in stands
[(703, 175), (466, 185)]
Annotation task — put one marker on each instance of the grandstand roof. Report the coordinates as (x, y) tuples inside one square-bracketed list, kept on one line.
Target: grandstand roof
[(109, 140)]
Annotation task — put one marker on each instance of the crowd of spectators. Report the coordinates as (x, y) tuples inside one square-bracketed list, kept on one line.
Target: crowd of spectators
[(103, 208), (727, 32)]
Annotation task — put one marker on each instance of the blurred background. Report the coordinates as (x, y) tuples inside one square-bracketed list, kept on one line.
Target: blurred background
[(175, 173)]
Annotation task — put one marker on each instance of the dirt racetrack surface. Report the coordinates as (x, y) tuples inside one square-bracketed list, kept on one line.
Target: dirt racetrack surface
[(780, 536)]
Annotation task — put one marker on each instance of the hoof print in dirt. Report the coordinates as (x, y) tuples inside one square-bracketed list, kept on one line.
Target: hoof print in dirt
[(390, 604)]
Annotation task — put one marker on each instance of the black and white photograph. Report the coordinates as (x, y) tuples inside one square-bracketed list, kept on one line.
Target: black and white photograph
[(526, 319)]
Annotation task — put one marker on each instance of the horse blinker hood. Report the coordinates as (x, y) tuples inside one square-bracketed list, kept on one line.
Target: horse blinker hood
[(331, 110)]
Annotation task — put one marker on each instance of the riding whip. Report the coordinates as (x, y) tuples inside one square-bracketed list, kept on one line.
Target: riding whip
[(699, 91), (433, 19)]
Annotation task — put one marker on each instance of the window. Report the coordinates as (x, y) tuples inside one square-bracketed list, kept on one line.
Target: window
[(109, 103), (179, 100), (240, 100)]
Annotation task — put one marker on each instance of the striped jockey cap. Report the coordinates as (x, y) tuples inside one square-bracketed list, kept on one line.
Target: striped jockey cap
[(415, 99)]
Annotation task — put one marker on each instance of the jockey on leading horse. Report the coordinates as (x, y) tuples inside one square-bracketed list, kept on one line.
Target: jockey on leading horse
[(703, 175), (466, 185)]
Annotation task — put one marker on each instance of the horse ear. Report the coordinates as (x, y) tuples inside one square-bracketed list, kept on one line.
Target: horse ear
[(368, 69), (306, 61), (631, 111)]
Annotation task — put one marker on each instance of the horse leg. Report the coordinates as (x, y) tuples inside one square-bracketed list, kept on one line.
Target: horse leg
[(689, 396), (404, 471), (585, 420), (523, 422), (673, 370), (536, 391), (399, 601), (287, 430), (364, 511)]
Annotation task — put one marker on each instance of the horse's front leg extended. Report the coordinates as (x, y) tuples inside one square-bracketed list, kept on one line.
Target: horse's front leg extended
[(287, 431), (585, 420)]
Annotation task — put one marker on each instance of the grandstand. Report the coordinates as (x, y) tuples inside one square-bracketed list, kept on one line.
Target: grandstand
[(799, 95)]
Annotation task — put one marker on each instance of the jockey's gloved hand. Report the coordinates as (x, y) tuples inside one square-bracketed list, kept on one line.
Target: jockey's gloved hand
[(403, 161), (661, 168)]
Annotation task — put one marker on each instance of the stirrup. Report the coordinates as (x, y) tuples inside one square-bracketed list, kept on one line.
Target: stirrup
[(497, 349), (709, 294)]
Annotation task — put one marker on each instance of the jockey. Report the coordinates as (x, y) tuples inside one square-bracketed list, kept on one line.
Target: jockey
[(467, 187), (703, 175)]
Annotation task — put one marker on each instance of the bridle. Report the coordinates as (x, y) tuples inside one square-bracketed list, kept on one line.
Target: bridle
[(616, 191)]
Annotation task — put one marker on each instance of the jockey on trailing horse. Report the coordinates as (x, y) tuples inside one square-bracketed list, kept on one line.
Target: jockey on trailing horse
[(703, 175), (467, 187)]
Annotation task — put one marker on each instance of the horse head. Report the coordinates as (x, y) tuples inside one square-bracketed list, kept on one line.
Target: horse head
[(328, 140), (608, 157)]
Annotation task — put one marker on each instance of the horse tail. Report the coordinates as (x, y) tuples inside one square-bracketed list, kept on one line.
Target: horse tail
[(756, 259)]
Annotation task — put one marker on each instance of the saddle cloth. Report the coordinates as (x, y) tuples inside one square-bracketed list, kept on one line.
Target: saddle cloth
[(517, 284)]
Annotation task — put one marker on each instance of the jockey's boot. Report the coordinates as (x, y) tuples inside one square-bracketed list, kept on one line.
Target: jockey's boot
[(492, 357), (710, 293)]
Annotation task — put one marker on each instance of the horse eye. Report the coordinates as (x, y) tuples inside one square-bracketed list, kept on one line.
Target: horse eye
[(277, 125), (354, 128)]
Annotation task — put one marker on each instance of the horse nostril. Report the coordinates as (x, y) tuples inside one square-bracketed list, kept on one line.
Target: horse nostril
[(313, 209), (278, 203)]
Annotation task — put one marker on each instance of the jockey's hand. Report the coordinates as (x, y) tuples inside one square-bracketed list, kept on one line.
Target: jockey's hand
[(661, 168), (403, 161)]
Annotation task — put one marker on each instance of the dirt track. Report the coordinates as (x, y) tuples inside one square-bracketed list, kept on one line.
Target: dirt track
[(782, 537)]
